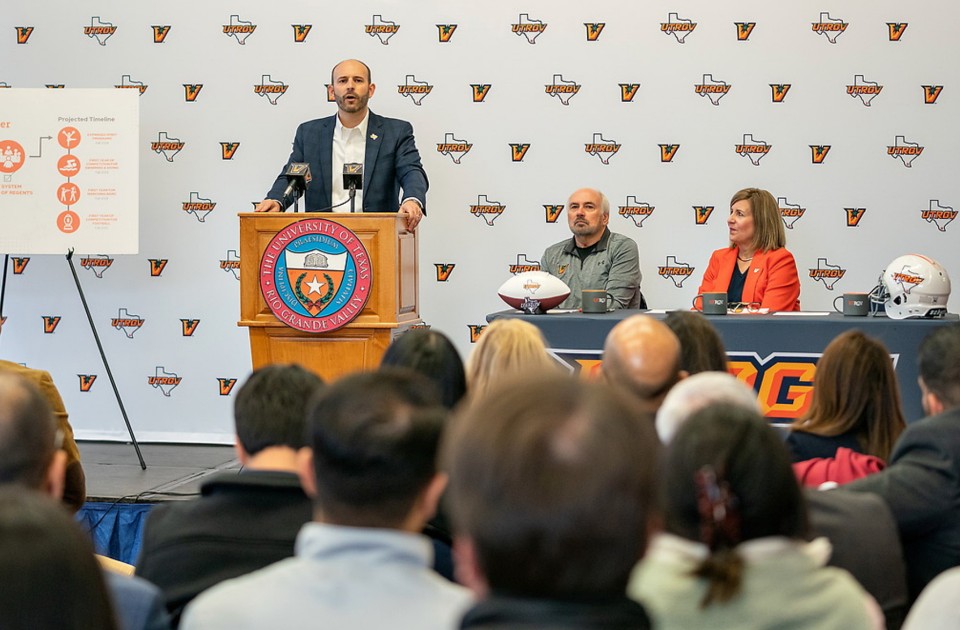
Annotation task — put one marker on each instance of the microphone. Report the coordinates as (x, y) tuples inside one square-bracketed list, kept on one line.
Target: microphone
[(353, 177), (298, 179)]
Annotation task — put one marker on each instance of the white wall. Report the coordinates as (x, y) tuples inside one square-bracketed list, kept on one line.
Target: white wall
[(632, 48)]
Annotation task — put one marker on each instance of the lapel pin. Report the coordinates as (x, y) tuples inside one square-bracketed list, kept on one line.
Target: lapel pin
[(373, 136)]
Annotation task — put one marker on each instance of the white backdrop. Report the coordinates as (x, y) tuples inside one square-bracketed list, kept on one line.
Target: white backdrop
[(224, 85)]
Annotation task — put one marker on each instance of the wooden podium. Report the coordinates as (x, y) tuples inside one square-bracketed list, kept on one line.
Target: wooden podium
[(392, 306)]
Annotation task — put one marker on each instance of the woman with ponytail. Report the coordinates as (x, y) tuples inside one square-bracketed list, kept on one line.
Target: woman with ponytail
[(733, 553)]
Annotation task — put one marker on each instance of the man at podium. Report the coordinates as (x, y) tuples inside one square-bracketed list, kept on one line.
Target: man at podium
[(355, 135)]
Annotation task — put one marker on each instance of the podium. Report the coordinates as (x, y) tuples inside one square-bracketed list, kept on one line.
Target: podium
[(391, 308)]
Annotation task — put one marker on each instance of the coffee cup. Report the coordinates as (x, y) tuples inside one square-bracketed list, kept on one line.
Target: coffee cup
[(712, 303), (854, 304), (595, 301)]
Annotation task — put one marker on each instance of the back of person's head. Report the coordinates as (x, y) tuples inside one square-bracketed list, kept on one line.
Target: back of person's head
[(49, 574), (27, 433), (552, 485), (432, 354), (701, 390), (641, 357), (270, 408), (729, 480), (374, 438), (855, 389), (701, 349), (507, 348), (939, 364)]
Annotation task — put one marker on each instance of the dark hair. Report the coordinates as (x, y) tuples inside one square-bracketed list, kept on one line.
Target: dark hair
[(855, 389), (552, 479), (49, 574), (701, 349), (939, 363), (432, 354), (375, 437), (27, 432), (732, 457), (270, 408)]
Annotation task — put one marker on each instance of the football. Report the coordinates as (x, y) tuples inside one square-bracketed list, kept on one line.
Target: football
[(549, 290)]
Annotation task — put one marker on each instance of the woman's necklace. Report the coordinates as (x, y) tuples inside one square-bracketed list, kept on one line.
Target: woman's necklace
[(744, 259)]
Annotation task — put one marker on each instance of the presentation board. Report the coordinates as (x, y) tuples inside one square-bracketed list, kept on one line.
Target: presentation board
[(69, 171)]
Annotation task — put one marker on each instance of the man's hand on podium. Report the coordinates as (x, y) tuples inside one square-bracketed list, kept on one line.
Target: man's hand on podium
[(412, 213), (268, 205)]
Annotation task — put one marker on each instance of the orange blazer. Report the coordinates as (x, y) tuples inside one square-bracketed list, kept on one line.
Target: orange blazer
[(771, 279)]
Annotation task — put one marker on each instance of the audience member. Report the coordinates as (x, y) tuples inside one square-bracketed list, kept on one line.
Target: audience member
[(75, 484), (921, 484), (552, 496), (31, 461), (701, 349), (432, 354), (854, 417), (49, 575), (937, 607), (698, 391), (641, 356), (733, 553), (856, 524), (242, 521), (371, 469), (507, 349)]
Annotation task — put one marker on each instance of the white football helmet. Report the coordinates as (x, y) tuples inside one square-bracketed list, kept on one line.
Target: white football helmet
[(913, 286)]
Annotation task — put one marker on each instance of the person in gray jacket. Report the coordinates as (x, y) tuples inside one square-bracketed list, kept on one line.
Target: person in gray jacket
[(595, 258)]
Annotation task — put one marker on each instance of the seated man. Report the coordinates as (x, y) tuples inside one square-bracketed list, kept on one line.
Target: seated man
[(551, 495), (595, 257), (641, 357), (31, 459), (242, 522), (362, 563)]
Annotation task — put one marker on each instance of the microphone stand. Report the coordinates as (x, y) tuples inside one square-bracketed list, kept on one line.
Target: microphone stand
[(353, 197)]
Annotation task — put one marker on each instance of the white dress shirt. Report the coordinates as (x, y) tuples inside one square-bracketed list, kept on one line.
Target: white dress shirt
[(349, 145)]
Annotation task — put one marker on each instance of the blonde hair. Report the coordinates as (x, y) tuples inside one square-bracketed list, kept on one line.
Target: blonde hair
[(768, 232), (507, 348)]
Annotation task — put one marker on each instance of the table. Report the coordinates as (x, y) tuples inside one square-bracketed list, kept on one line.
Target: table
[(774, 354)]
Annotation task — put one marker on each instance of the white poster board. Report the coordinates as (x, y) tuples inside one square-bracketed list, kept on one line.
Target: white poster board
[(69, 171)]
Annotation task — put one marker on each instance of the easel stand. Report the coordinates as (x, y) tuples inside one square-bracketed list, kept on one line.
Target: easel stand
[(103, 357)]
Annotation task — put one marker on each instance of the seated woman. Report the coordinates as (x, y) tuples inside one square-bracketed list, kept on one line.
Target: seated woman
[(756, 268), (854, 417), (733, 553)]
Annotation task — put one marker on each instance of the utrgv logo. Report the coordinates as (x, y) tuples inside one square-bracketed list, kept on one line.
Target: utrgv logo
[(23, 34), (637, 211), (865, 90), (127, 322), (445, 32), (668, 152), (779, 91), (528, 28), (444, 270), (790, 213), (480, 91), (818, 152), (701, 214), (239, 29), (157, 265), (415, 90), (826, 273), (931, 93), (524, 265), (300, 32), (553, 212), (226, 385), (96, 264), (678, 27), (50, 323), (488, 209), (905, 151), (941, 216), (562, 89), (453, 148), (228, 149), (593, 30), (126, 83), (744, 29), (896, 29), (166, 146), (382, 29), (86, 381), (854, 215), (829, 27), (160, 33), (475, 331), (191, 91), (270, 89), (99, 30), (711, 88), (628, 91), (675, 271), (602, 148), (783, 380), (518, 151), (19, 264)]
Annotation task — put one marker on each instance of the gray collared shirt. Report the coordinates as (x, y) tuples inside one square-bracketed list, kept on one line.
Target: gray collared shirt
[(614, 266)]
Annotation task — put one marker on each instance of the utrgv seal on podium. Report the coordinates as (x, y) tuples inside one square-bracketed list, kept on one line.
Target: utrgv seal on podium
[(315, 275)]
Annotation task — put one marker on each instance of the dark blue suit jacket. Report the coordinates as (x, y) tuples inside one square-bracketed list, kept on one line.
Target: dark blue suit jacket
[(391, 163)]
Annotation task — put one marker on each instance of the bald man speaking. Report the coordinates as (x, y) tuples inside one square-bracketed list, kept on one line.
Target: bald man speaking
[(355, 135)]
